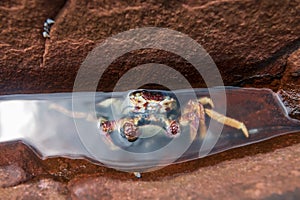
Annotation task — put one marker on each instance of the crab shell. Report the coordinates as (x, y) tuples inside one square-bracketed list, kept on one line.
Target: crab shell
[(152, 102)]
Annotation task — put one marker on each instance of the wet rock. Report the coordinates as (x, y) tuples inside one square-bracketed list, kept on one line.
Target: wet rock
[(295, 73), (288, 195), (11, 175), (230, 179), (18, 163), (290, 85), (83, 190), (254, 43), (43, 189), (66, 169)]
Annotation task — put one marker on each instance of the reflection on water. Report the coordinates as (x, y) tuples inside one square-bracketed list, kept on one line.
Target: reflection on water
[(55, 125), (16, 116), (50, 132)]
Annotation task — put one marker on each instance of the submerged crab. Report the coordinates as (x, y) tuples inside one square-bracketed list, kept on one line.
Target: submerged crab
[(159, 108)]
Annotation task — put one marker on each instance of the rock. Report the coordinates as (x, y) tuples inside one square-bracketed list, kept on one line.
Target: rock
[(11, 175), (231, 179), (246, 39), (18, 163), (43, 189), (290, 85), (253, 43), (21, 42)]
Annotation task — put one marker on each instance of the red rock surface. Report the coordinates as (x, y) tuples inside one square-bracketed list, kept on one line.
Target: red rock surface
[(290, 84), (254, 43)]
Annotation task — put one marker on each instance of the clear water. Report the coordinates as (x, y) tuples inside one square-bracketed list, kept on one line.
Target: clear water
[(66, 124)]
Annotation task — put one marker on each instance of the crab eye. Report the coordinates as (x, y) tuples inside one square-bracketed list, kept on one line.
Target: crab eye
[(130, 132), (174, 129)]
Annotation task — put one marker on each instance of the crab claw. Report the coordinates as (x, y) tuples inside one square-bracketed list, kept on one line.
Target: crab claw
[(106, 126), (173, 129)]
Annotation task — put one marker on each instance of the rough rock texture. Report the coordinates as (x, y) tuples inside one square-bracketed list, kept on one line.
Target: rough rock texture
[(253, 43), (290, 84), (248, 40), (11, 175), (248, 177), (42, 189)]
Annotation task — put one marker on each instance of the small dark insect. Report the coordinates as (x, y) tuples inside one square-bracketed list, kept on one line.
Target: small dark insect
[(47, 26)]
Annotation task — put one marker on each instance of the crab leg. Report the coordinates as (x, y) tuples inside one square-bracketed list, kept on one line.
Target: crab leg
[(202, 125), (194, 115), (227, 121), (72, 114), (205, 101)]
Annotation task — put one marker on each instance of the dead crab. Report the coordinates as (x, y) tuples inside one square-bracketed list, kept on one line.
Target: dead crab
[(158, 108)]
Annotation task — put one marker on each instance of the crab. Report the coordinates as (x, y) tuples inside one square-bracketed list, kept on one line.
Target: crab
[(162, 109), (159, 108)]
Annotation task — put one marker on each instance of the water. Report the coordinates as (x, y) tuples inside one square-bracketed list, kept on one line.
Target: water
[(66, 124)]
